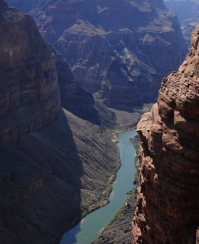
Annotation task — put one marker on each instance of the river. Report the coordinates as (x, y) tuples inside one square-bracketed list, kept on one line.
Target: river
[(89, 228)]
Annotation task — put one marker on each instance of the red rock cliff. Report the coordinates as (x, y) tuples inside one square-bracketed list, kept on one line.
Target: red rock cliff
[(167, 196)]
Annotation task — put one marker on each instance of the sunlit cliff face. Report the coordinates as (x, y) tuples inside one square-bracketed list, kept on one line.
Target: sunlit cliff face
[(167, 200)]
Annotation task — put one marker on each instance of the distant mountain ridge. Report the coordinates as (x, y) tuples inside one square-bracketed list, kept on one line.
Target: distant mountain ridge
[(188, 14), (118, 50)]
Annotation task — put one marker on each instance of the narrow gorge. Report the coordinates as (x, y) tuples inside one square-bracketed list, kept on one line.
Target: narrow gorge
[(73, 74), (167, 208)]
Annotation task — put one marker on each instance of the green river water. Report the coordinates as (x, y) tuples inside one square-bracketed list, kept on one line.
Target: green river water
[(89, 228)]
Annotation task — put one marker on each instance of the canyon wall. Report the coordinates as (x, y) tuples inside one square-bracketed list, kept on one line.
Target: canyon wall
[(118, 49), (167, 196), (53, 170), (29, 94), (74, 98)]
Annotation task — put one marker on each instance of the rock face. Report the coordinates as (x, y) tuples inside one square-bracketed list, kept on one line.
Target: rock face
[(29, 96), (167, 197), (73, 97), (33, 99), (53, 170), (117, 49)]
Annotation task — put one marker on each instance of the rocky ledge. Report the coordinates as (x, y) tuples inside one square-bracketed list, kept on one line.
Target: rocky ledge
[(167, 197)]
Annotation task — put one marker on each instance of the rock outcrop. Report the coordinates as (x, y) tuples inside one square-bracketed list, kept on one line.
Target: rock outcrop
[(167, 197), (118, 49), (29, 94)]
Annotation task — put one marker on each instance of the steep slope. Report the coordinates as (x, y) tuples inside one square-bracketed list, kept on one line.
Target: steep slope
[(52, 177), (167, 197), (73, 97), (53, 169), (117, 49)]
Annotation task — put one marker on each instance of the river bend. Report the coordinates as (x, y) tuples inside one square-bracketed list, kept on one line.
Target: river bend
[(89, 228)]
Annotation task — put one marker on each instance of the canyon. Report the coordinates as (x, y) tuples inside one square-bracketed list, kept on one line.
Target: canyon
[(58, 118), (118, 50), (53, 169), (167, 201)]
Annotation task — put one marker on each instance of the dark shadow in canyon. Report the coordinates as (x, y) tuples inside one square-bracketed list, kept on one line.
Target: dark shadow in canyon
[(87, 112), (40, 184)]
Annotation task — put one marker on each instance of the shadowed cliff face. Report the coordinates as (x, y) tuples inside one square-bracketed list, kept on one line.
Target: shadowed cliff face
[(118, 49), (73, 98), (167, 197), (39, 185), (29, 96), (53, 170), (26, 56), (50, 179)]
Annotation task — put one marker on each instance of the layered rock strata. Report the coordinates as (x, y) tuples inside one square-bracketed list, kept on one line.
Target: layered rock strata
[(119, 49), (29, 96), (74, 98), (167, 197)]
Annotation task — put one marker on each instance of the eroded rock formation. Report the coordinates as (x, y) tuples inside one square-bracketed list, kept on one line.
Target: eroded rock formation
[(29, 92), (167, 197), (119, 49)]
